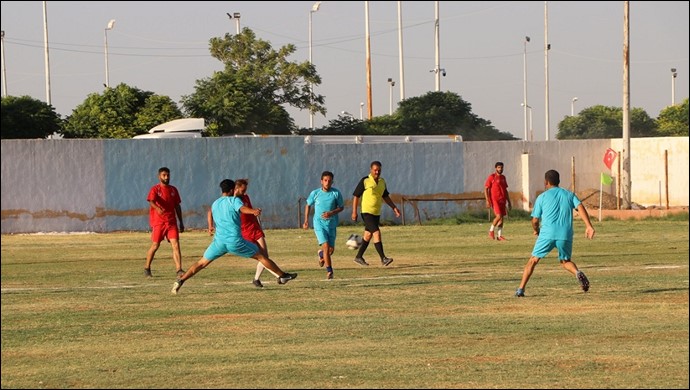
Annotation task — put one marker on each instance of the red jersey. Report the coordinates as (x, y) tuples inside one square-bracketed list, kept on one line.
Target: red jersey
[(251, 228), (167, 198), (498, 187)]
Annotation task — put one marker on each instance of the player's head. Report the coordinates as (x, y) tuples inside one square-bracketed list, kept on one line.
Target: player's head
[(552, 177), (499, 167), (241, 186), (164, 175), (227, 186), (326, 173), (326, 180), (375, 169)]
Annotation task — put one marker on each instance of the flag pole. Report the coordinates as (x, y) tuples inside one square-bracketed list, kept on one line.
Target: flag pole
[(601, 189)]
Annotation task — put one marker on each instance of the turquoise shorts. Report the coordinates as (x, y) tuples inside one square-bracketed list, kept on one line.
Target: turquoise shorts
[(239, 247), (544, 245), (325, 234)]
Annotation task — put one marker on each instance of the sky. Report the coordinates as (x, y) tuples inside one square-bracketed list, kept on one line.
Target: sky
[(162, 47)]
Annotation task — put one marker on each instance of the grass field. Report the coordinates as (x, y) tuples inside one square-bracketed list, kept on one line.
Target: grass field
[(78, 313)]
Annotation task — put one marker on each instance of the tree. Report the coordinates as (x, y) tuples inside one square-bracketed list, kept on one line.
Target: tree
[(251, 90), (26, 117), (445, 113), (157, 109), (387, 125), (435, 113), (673, 120), (342, 125), (120, 112), (605, 122)]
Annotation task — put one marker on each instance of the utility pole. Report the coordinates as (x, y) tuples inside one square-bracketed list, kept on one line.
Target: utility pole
[(625, 173), (368, 49)]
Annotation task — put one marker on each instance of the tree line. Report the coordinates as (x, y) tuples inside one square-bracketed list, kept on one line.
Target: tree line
[(256, 85)]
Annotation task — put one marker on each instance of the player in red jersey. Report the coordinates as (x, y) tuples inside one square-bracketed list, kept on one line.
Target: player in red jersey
[(164, 211), (497, 197)]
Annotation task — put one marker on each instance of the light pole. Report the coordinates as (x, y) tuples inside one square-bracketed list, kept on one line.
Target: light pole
[(524, 83), (47, 50), (367, 48), (236, 16), (673, 86), (572, 106), (400, 51), (392, 84), (4, 71), (531, 131), (314, 8), (547, 47), (437, 40), (361, 111), (110, 26)]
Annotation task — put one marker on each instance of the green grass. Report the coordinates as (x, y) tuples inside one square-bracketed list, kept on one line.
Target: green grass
[(78, 313)]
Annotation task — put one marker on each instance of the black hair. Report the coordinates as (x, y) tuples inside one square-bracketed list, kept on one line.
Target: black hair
[(227, 186), (377, 163), (163, 169), (498, 164), (326, 173), (553, 177)]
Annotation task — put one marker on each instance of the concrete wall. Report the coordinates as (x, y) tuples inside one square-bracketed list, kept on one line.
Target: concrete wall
[(101, 185)]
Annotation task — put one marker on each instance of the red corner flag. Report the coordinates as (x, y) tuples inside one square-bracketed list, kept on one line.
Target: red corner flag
[(609, 157)]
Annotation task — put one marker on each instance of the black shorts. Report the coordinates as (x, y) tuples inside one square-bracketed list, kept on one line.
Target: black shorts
[(371, 222)]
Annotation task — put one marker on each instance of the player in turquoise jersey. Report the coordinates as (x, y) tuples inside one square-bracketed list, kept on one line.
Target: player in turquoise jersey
[(554, 209), (228, 237), (328, 203)]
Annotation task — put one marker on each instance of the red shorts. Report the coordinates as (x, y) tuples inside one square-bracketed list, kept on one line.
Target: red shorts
[(252, 234), (499, 207), (167, 231)]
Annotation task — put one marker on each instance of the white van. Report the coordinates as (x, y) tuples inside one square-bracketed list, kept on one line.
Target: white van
[(178, 128)]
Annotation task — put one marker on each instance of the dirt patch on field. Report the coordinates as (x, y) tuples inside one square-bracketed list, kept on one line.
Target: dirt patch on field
[(590, 198)]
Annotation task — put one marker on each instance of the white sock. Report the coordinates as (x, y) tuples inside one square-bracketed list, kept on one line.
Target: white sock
[(491, 229), (499, 231), (259, 269)]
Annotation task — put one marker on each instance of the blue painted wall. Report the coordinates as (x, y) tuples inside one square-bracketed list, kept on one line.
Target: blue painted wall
[(101, 185)]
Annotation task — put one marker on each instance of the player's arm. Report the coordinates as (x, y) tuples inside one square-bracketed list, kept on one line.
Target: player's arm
[(510, 206), (178, 211), (156, 207), (209, 219), (487, 196), (584, 215), (307, 210), (355, 203), (535, 225), (392, 205), (340, 204), (249, 210), (333, 212), (359, 191)]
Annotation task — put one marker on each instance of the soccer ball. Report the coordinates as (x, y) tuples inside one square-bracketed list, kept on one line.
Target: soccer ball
[(353, 242)]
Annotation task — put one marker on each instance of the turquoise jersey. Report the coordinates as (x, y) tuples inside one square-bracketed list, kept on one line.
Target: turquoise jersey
[(554, 207), (226, 216), (325, 201)]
